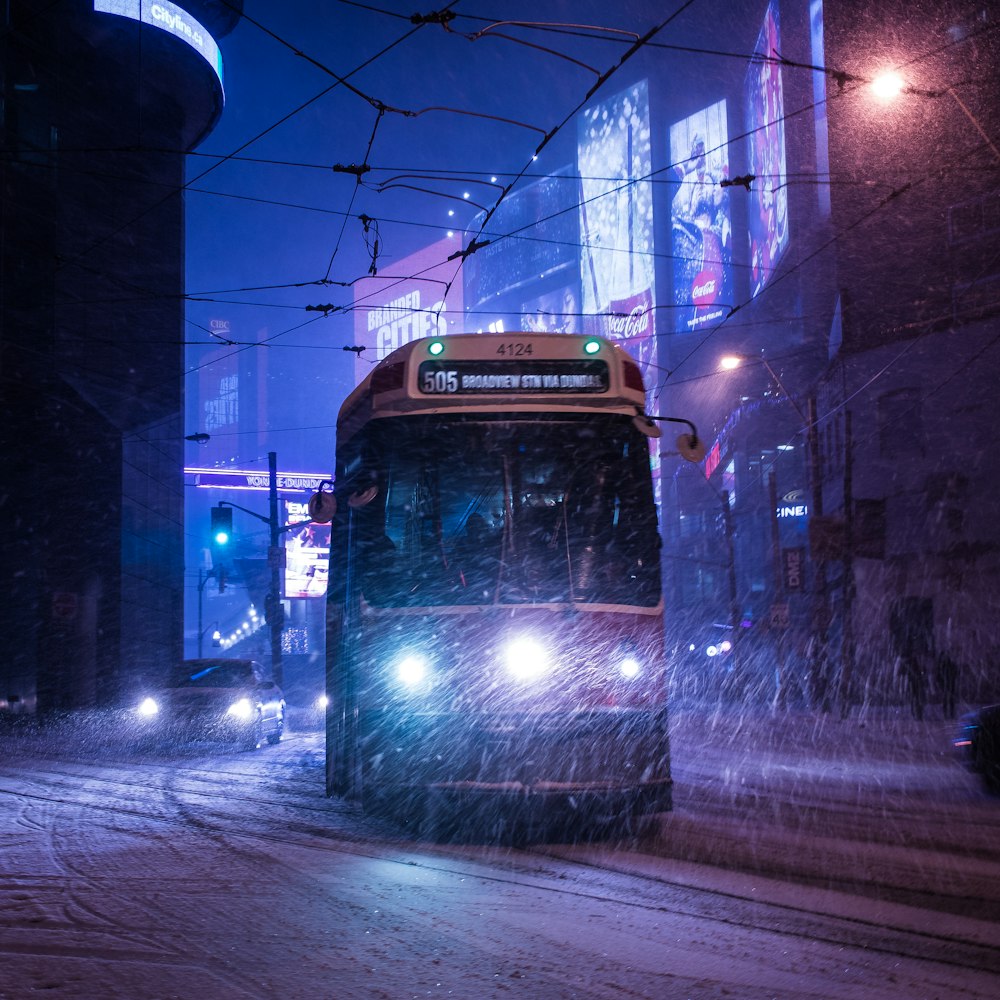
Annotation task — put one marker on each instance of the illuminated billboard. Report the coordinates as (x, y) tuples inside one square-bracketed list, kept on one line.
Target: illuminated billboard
[(616, 222), (767, 206), (307, 554), (700, 219), (557, 311), (420, 297), (614, 160), (230, 396), (306, 550), (818, 51), (526, 276), (173, 20)]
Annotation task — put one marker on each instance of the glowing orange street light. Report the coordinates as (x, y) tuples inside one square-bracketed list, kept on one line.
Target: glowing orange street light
[(730, 361), (888, 85)]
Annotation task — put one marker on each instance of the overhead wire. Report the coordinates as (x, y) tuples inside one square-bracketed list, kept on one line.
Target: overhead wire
[(346, 215), (520, 175), (894, 192)]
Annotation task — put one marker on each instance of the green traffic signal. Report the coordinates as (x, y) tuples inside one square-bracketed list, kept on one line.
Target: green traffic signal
[(222, 525)]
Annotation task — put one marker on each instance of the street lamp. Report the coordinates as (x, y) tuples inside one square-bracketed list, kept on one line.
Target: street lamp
[(731, 361), (887, 86), (216, 637)]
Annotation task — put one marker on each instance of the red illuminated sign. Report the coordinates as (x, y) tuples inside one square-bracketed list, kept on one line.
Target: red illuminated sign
[(712, 459)]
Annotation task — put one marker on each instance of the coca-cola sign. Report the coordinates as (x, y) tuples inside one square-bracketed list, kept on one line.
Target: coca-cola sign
[(705, 288), (635, 324), (630, 318)]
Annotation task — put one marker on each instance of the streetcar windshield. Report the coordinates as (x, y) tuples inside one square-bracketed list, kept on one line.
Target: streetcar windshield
[(473, 510)]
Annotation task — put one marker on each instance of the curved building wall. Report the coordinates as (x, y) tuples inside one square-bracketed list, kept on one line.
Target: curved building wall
[(99, 111)]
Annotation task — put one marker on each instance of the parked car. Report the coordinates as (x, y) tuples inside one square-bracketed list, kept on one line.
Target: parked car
[(978, 742), (216, 699)]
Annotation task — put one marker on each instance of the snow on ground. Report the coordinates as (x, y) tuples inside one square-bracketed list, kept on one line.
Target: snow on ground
[(806, 858), (879, 797)]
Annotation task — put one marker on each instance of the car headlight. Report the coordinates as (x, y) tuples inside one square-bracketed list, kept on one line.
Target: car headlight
[(242, 710), (148, 707), (412, 670), (526, 659)]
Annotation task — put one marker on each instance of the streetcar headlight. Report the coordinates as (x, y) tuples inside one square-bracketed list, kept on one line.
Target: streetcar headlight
[(242, 709), (412, 670), (630, 667), (527, 659), (148, 707)]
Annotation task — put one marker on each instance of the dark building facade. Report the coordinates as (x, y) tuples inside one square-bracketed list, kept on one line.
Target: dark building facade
[(908, 469), (848, 533), (101, 101)]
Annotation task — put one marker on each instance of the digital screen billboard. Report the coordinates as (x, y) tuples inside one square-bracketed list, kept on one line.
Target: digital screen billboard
[(307, 554), (767, 206), (526, 277), (557, 311), (230, 396), (616, 222), (413, 301), (170, 18), (700, 219), (818, 52), (617, 285)]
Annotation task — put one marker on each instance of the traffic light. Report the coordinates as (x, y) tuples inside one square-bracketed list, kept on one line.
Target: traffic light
[(222, 533), (222, 527)]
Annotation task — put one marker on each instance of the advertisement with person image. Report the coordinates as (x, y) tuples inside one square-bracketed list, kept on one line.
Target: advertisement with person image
[(616, 222), (700, 220)]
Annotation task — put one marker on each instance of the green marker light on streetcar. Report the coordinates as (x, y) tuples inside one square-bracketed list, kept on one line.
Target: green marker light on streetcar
[(435, 347), (591, 347)]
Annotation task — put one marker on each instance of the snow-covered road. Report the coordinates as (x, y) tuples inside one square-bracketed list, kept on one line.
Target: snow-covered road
[(214, 873)]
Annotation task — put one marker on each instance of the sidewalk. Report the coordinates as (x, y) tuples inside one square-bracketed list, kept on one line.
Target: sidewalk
[(878, 804)]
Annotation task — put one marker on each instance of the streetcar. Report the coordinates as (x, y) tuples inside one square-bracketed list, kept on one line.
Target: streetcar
[(495, 614)]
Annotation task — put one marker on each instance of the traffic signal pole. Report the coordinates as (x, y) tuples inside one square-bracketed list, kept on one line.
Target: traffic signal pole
[(274, 610)]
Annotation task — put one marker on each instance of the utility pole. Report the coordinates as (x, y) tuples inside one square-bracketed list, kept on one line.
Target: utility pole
[(847, 635), (735, 613), (819, 666), (779, 609), (274, 608), (202, 577), (206, 572)]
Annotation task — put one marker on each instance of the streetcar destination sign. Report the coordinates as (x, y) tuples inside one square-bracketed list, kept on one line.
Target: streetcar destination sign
[(456, 378)]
